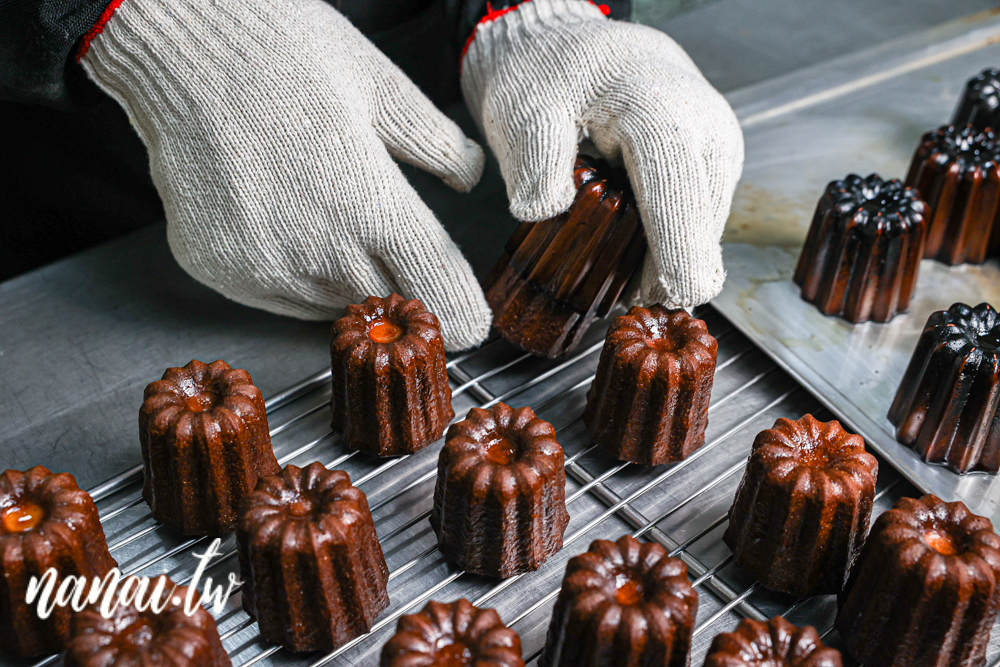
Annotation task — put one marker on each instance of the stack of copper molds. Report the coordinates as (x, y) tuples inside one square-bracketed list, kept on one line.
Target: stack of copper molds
[(558, 275)]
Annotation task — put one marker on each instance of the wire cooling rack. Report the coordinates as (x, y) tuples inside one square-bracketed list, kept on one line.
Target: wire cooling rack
[(682, 506)]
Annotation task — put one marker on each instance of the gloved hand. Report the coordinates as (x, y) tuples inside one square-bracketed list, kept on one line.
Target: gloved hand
[(270, 126), (548, 73)]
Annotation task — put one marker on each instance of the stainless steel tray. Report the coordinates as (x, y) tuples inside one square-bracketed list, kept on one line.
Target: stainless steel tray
[(682, 506), (860, 114)]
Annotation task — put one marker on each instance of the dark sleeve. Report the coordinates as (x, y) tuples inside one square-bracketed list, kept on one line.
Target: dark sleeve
[(37, 38), (465, 14)]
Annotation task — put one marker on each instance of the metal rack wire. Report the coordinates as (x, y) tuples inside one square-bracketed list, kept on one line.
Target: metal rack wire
[(682, 506)]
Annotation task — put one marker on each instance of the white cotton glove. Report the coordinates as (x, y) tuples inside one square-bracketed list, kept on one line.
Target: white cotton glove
[(540, 78), (271, 127)]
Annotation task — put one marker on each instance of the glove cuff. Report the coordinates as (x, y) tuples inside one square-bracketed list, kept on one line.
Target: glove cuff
[(96, 29)]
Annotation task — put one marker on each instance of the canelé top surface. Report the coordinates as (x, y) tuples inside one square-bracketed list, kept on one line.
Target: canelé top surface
[(634, 576), (661, 332), (290, 508), (502, 445), (823, 451), (967, 330), (872, 201), (966, 146), (452, 635), (775, 643), (393, 325), (917, 529), (37, 506), (214, 389)]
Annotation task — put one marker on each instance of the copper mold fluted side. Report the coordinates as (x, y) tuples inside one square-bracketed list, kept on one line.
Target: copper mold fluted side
[(556, 276), (957, 172), (500, 512), (314, 569), (389, 398), (649, 400), (801, 511), (862, 254), (948, 403), (205, 442), (924, 592)]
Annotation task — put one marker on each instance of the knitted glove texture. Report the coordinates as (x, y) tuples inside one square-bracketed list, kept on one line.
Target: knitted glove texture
[(544, 76), (271, 126)]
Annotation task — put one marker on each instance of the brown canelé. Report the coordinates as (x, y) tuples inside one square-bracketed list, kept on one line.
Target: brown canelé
[(980, 102), (774, 643), (133, 638), (622, 603), (957, 172), (205, 441), (452, 635), (500, 498), (556, 276), (802, 509), (313, 566), (46, 522), (926, 589), (648, 403), (947, 406), (390, 383), (862, 255)]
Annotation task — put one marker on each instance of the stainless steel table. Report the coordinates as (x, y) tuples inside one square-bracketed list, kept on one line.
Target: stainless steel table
[(79, 339)]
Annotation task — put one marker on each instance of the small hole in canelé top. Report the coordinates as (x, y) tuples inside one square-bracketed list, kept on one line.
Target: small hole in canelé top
[(664, 339), (941, 542), (814, 455), (384, 331), (453, 654), (628, 589), (22, 517), (502, 450), (199, 402)]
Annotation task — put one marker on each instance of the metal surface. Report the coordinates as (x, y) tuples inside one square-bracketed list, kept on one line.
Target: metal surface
[(861, 114), (682, 506)]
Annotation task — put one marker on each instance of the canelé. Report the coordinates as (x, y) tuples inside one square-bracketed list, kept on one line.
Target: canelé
[(390, 383), (948, 404), (774, 643), (147, 638), (648, 403), (862, 254), (556, 276), (314, 570), (622, 603), (46, 522), (802, 509), (957, 172), (980, 103), (205, 441), (452, 635), (926, 589), (500, 499)]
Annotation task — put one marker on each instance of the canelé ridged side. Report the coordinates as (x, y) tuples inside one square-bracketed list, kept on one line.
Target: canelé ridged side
[(132, 638), (769, 643), (924, 592), (500, 514), (957, 172), (556, 276), (389, 398), (980, 102), (449, 635), (622, 603), (314, 569), (862, 254), (205, 441), (802, 509), (649, 400), (69, 538), (948, 404)]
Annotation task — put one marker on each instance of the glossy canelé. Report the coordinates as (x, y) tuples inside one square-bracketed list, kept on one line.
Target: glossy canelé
[(862, 254), (390, 383), (500, 498), (556, 276), (205, 441), (947, 406), (649, 400), (802, 509), (773, 643), (979, 105)]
